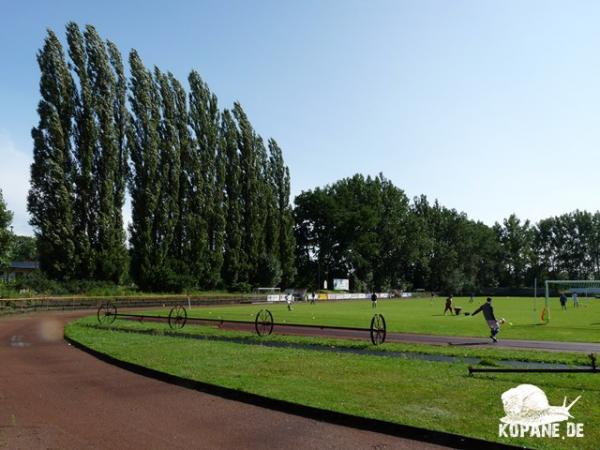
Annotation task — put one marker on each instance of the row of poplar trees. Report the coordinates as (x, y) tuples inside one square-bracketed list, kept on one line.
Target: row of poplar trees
[(210, 199)]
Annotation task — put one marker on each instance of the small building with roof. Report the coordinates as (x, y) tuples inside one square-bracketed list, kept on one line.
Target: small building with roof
[(17, 269)]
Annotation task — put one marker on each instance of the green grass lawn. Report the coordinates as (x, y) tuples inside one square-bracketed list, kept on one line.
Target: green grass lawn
[(426, 316), (433, 395)]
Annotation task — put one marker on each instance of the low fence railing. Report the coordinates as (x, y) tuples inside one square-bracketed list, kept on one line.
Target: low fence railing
[(263, 322)]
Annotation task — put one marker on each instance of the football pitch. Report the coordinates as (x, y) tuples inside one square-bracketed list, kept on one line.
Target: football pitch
[(423, 315)]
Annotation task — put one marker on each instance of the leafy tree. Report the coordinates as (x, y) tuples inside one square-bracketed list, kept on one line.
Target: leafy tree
[(108, 251), (180, 248), (232, 207), (121, 119), (516, 241), (6, 235), (205, 121), (84, 137), (166, 215), (283, 233), (50, 197), (252, 237), (146, 179), (24, 249), (356, 227)]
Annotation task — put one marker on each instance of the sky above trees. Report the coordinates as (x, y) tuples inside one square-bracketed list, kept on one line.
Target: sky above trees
[(490, 107)]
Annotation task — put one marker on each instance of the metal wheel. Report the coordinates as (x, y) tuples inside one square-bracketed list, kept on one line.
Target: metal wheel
[(264, 322), (378, 329), (177, 317), (107, 313)]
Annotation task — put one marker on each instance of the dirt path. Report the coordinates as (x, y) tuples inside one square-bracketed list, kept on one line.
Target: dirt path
[(414, 338), (53, 396)]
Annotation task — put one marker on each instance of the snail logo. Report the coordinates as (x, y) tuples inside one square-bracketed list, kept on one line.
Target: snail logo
[(528, 413)]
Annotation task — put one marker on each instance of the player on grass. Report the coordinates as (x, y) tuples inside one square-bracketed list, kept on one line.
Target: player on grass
[(488, 315), (563, 301), (373, 300), (288, 300), (448, 305), (575, 300)]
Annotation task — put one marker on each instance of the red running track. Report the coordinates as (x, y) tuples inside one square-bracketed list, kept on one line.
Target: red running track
[(53, 396)]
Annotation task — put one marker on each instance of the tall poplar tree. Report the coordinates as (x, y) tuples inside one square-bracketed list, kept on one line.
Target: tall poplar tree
[(166, 215), (84, 138), (121, 119), (208, 174), (286, 243), (109, 257), (252, 239), (145, 181), (232, 202), (51, 195), (180, 245)]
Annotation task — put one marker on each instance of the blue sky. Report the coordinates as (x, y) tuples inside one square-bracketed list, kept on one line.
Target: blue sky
[(492, 107)]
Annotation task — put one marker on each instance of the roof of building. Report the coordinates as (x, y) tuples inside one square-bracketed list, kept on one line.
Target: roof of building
[(32, 265)]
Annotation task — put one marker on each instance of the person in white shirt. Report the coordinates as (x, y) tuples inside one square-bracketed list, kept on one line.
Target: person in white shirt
[(575, 300)]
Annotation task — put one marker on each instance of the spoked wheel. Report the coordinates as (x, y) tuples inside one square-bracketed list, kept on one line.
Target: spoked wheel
[(378, 329), (264, 322), (177, 317), (107, 313)]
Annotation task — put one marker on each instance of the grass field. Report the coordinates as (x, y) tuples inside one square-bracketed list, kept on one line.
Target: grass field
[(426, 316), (433, 395)]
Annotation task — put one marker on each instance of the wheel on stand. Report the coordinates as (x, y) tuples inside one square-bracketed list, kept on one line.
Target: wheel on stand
[(264, 322), (177, 317), (107, 313), (378, 329)]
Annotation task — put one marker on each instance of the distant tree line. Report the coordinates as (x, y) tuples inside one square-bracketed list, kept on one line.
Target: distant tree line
[(6, 237), (366, 229), (210, 199), (12, 247)]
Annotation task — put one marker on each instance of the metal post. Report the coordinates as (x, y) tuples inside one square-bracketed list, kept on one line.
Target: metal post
[(535, 294), (547, 306)]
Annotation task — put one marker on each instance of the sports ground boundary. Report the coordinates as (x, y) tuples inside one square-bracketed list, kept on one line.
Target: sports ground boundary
[(333, 417)]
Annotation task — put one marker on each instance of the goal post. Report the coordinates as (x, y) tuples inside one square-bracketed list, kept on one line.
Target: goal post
[(579, 287)]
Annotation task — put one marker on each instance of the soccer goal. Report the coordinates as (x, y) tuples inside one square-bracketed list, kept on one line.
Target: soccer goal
[(581, 288)]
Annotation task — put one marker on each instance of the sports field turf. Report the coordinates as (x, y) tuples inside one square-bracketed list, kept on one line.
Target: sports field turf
[(426, 316)]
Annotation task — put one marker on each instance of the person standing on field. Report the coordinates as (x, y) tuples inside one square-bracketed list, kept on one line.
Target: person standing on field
[(488, 315), (448, 305), (312, 298), (288, 300), (575, 300), (563, 301), (373, 300)]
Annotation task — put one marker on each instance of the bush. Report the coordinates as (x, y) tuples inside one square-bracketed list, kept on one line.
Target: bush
[(164, 279), (39, 284), (240, 287)]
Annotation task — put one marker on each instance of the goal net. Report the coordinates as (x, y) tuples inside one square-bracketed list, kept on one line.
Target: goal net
[(573, 290)]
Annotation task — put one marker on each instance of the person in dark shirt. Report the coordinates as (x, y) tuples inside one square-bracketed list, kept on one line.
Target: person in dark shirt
[(563, 301), (448, 305), (488, 315), (373, 300)]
